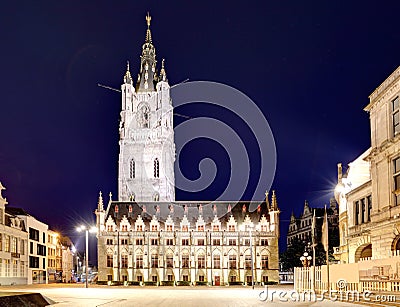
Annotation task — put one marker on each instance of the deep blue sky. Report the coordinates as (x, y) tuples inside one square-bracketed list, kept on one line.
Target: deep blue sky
[(309, 66)]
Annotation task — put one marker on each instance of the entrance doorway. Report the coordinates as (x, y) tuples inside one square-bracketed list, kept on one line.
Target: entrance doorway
[(217, 281)]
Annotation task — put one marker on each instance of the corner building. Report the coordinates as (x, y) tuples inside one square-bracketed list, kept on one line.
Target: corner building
[(368, 193), (146, 236)]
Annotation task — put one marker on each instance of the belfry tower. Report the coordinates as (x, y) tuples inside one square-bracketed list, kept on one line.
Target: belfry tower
[(147, 148)]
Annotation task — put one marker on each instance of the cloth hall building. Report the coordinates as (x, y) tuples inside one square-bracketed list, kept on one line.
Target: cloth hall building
[(145, 235)]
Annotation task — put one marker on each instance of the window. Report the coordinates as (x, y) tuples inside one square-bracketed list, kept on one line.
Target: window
[(247, 262), (169, 228), (31, 247), (44, 237), (132, 169), (110, 261), (22, 246), (156, 168), (396, 116), (170, 277), (124, 241), (1, 244), (156, 197), (231, 227), (170, 261), (33, 262), (154, 261), (15, 268), (232, 241), (139, 227), (185, 277), (362, 202), (264, 262), (139, 241), (217, 261), (356, 212), (232, 278), (185, 242), (1, 216), (154, 228), (14, 244), (169, 242), (21, 269), (124, 261), (139, 278), (124, 228), (109, 228), (185, 261), (41, 250), (109, 277), (200, 228), (216, 242), (369, 208), (201, 262), (154, 278), (154, 241), (109, 242), (139, 261), (184, 228), (7, 245), (215, 227), (265, 279), (200, 242), (124, 277), (7, 265), (396, 177), (33, 234), (263, 227), (249, 279), (201, 278), (246, 242), (232, 261), (264, 242)]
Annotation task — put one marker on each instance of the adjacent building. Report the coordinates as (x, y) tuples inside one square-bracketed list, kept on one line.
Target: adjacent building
[(300, 228), (368, 192), (147, 236), (13, 246)]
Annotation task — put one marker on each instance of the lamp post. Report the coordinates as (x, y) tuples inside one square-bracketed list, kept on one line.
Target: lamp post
[(92, 229), (305, 259)]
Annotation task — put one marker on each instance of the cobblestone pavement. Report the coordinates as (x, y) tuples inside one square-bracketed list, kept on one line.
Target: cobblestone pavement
[(77, 295)]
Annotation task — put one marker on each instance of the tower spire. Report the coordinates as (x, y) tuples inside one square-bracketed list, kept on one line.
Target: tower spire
[(163, 74), (127, 77), (147, 75)]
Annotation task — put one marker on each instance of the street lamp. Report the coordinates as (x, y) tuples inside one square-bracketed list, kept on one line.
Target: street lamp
[(306, 259), (91, 230)]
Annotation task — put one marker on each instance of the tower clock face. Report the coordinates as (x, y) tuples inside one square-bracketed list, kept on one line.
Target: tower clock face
[(143, 115)]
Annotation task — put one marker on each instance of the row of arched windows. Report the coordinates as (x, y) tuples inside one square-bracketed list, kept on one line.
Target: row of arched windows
[(156, 170)]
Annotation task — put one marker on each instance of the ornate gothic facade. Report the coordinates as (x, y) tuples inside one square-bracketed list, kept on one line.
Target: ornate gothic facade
[(147, 236)]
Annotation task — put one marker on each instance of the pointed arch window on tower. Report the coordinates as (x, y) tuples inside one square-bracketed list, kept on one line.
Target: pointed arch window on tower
[(132, 169), (156, 168)]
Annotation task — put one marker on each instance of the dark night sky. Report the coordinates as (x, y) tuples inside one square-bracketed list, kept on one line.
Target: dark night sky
[(309, 65)]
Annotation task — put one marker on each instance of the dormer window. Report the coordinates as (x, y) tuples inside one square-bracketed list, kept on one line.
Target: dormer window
[(184, 228), (216, 228), (231, 227)]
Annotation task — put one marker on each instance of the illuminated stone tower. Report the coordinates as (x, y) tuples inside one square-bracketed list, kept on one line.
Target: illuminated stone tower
[(147, 148)]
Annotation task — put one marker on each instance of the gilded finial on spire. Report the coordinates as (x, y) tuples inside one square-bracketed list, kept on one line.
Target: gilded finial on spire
[(148, 19)]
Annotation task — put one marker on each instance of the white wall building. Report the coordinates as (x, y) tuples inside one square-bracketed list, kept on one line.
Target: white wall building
[(13, 246)]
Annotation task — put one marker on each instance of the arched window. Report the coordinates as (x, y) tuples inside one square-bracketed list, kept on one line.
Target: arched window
[(156, 168), (132, 169), (156, 197)]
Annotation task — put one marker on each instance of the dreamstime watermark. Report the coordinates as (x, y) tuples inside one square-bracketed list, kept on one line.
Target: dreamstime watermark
[(342, 293), (258, 158)]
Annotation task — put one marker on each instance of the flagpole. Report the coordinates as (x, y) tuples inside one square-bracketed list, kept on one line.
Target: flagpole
[(327, 247), (313, 249)]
